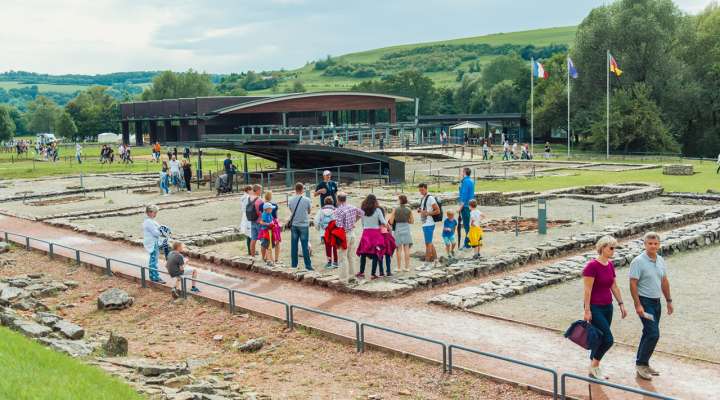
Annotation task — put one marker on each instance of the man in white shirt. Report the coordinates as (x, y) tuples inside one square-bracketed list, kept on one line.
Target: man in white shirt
[(151, 236), (429, 207), (175, 172)]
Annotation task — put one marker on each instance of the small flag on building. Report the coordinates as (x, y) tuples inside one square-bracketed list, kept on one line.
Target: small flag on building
[(539, 71), (614, 67), (571, 69)]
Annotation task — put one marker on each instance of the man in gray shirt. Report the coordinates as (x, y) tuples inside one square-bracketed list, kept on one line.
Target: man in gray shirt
[(299, 226), (648, 281)]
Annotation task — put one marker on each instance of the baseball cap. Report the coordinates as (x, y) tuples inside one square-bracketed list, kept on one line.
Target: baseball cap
[(327, 172)]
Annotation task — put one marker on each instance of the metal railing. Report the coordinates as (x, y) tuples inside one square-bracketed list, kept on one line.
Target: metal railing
[(360, 327), (624, 388)]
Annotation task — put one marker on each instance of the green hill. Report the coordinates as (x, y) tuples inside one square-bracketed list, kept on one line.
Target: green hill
[(314, 79)]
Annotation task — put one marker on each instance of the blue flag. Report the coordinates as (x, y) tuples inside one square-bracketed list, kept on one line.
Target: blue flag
[(571, 69)]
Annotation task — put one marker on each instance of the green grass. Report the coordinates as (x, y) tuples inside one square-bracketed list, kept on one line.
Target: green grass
[(11, 168), (43, 87), (314, 80), (703, 179), (34, 372)]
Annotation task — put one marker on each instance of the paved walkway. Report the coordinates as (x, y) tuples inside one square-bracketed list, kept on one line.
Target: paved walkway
[(682, 378)]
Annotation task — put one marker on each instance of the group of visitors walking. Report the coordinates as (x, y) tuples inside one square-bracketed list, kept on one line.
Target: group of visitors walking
[(648, 283), (175, 173)]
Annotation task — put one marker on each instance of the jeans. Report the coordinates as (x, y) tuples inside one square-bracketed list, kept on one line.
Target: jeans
[(388, 259), (300, 233), (164, 184), (465, 215), (153, 264), (650, 332), (362, 263), (601, 319)]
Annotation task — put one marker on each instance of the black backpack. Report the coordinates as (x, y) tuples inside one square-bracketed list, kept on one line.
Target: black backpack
[(250, 211), (436, 217)]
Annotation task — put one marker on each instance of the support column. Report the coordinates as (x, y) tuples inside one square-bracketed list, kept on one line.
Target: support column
[(138, 133), (288, 177), (184, 131), (125, 129), (393, 114), (153, 131), (167, 131), (200, 130), (372, 117)]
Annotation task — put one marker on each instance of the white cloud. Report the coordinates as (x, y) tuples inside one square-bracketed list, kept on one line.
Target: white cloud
[(83, 36)]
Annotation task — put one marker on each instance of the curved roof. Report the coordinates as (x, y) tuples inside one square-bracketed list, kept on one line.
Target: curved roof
[(296, 96)]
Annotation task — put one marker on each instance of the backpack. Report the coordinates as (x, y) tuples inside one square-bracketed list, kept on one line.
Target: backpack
[(250, 211), (437, 217), (325, 220)]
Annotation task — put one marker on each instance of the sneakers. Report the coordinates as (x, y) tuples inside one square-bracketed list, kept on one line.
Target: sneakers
[(175, 293), (194, 289), (328, 265), (643, 372), (360, 275), (653, 371), (597, 373), (160, 281)]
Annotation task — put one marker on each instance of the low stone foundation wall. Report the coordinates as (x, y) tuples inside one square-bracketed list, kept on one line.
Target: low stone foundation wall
[(679, 240), (678, 169)]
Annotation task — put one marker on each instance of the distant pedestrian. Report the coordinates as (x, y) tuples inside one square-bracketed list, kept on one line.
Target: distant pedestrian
[(276, 228), (475, 236), (401, 219), (648, 282), (186, 153), (346, 217), (485, 151), (430, 213), (265, 234), (78, 153), (176, 267), (156, 151), (175, 173), (151, 237), (372, 242), (323, 217), (229, 170), (327, 188), (448, 233), (187, 174), (253, 210), (547, 150), (600, 287), (244, 222), (165, 179), (506, 150), (466, 193), (514, 150), (299, 227)]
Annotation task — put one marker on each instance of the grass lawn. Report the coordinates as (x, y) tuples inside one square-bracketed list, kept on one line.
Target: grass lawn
[(43, 87), (34, 372), (704, 178), (11, 168)]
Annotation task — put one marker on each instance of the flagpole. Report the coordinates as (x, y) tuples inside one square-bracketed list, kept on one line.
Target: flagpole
[(607, 111), (568, 107), (532, 106)]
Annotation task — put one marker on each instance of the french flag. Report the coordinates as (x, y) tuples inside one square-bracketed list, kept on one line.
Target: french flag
[(539, 71)]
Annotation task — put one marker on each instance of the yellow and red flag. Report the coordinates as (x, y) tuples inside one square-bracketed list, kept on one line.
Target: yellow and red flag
[(614, 67)]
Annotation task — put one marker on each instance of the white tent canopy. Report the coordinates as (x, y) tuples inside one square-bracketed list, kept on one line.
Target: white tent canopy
[(466, 125), (108, 137)]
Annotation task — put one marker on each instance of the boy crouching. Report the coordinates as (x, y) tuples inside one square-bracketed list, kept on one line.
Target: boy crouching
[(175, 266)]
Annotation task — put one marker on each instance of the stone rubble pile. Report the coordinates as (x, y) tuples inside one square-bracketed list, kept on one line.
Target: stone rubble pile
[(679, 240), (176, 381)]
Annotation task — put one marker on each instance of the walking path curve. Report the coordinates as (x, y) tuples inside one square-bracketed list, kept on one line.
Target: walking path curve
[(682, 377)]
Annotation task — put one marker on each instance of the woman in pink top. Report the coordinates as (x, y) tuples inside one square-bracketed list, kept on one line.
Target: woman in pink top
[(600, 286)]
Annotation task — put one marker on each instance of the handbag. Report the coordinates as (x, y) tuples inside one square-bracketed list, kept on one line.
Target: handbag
[(578, 333)]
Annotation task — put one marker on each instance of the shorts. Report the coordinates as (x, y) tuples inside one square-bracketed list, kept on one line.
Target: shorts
[(187, 273), (428, 232), (449, 240), (265, 243), (254, 230)]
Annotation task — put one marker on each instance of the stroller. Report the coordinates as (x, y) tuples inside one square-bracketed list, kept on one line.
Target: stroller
[(222, 184)]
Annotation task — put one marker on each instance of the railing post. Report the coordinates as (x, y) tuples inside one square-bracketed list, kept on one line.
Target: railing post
[(27, 243), (183, 287), (360, 173), (77, 257), (143, 280), (231, 301), (50, 250), (7, 239), (108, 271)]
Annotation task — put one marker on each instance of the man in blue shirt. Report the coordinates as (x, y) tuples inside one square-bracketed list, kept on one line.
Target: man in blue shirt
[(467, 193)]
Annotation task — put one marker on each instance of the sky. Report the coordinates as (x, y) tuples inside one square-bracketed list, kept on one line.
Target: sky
[(224, 36)]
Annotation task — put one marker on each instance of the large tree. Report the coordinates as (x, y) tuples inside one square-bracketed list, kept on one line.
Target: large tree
[(174, 85), (93, 111), (42, 114), (635, 123), (7, 126), (65, 126)]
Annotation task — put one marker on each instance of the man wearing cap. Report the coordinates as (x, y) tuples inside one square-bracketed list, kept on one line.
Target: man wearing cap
[(327, 188), (346, 216)]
